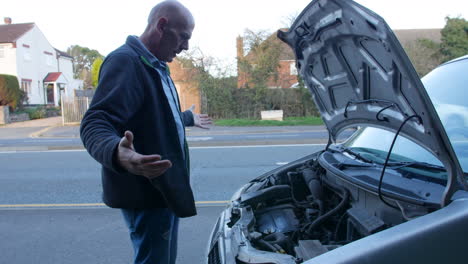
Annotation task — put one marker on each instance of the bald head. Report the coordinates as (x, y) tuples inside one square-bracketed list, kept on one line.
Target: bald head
[(172, 9), (170, 26)]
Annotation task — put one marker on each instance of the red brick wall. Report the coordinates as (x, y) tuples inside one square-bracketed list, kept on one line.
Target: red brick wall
[(187, 87)]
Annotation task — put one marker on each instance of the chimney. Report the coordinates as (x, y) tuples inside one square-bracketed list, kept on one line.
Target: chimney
[(240, 47), (7, 20)]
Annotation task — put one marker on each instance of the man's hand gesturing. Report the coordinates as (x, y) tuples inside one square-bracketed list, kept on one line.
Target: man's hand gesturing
[(201, 120), (150, 166)]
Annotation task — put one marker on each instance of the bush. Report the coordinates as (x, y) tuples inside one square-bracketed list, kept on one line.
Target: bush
[(10, 92), (38, 113), (53, 111)]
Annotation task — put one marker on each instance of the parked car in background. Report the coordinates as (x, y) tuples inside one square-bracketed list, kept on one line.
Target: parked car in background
[(394, 192)]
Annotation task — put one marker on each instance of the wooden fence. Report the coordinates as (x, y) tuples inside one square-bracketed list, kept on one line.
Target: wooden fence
[(74, 108)]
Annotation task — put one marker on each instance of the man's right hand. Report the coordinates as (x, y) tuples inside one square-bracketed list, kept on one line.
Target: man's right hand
[(150, 166)]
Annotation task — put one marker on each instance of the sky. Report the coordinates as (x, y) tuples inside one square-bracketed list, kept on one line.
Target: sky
[(103, 25)]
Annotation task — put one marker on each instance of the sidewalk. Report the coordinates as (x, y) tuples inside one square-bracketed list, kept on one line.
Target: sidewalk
[(44, 122), (29, 129)]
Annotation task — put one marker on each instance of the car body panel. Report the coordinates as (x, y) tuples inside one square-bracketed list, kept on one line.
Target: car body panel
[(439, 237)]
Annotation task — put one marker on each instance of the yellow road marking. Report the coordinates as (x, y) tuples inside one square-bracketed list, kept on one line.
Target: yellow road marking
[(40, 132), (88, 204), (212, 202), (50, 205)]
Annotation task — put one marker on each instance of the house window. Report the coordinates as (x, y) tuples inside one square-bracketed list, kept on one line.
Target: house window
[(292, 69), (26, 85)]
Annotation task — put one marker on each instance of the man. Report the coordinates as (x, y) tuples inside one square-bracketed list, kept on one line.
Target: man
[(135, 129)]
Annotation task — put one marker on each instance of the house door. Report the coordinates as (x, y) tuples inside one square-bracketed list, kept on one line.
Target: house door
[(50, 93)]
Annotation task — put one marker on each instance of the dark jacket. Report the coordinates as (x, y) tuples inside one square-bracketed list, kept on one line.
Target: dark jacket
[(130, 96)]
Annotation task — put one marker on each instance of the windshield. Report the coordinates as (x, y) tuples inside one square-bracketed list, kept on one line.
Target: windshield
[(446, 86)]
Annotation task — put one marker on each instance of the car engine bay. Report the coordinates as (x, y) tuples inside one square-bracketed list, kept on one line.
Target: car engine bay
[(304, 211)]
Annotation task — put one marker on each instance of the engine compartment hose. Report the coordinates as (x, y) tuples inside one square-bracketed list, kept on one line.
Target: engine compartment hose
[(341, 205), (266, 244), (313, 182)]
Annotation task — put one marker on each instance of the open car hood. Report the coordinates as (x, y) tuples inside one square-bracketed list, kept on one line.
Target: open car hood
[(359, 74)]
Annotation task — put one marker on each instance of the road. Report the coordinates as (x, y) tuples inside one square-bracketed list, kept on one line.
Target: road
[(306, 137), (51, 211), (64, 137)]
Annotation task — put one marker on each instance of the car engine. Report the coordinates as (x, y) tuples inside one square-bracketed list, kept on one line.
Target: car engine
[(303, 212)]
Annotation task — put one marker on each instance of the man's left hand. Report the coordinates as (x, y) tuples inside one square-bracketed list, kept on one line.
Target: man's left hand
[(201, 120)]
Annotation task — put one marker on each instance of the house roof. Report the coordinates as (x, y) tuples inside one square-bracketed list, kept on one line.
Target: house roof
[(11, 33), (52, 76)]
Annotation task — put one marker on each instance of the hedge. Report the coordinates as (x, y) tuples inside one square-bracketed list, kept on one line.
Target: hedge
[(10, 92), (248, 103)]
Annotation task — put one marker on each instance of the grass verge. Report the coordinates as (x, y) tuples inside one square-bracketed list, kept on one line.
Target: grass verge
[(288, 121)]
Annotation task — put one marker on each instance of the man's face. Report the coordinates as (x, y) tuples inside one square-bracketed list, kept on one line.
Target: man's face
[(174, 40)]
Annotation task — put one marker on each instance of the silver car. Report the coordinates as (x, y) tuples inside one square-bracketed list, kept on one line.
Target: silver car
[(394, 192)]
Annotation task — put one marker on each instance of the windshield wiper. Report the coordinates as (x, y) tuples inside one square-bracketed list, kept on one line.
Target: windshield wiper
[(343, 165), (393, 165), (352, 152), (415, 164)]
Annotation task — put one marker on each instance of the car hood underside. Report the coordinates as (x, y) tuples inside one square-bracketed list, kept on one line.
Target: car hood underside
[(359, 75)]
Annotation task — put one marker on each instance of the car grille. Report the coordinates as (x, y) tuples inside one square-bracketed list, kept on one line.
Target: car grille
[(213, 256)]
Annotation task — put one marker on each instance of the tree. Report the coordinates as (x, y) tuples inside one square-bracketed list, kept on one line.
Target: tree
[(222, 99), (215, 83), (83, 59), (95, 71), (262, 62), (260, 66), (10, 92), (85, 75), (426, 54), (454, 38)]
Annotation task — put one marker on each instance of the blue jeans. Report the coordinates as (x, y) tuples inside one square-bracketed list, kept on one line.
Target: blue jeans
[(154, 235)]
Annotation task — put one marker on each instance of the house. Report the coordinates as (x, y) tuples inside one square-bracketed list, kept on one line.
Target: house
[(287, 72), (186, 85), (44, 73)]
